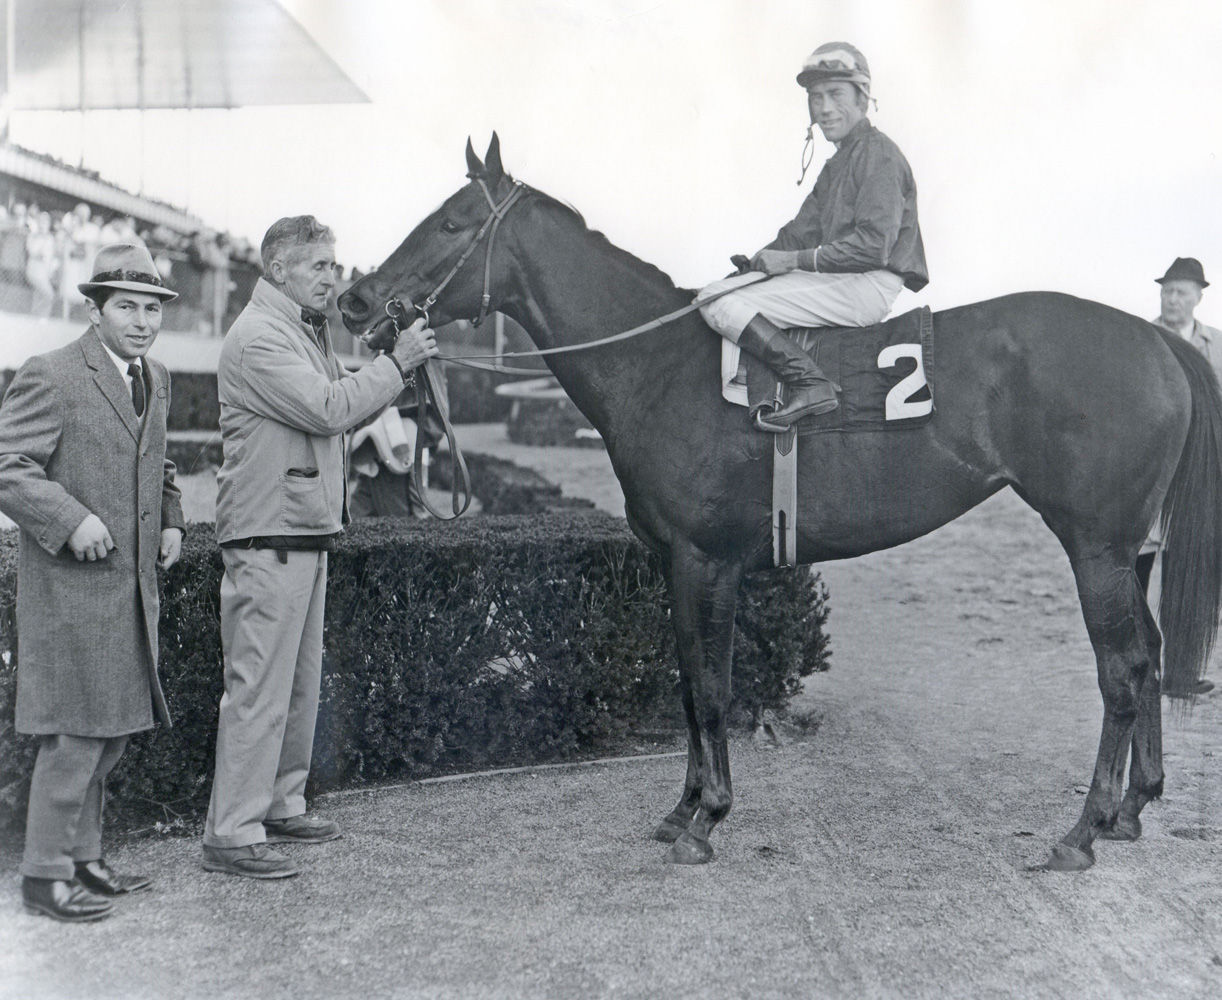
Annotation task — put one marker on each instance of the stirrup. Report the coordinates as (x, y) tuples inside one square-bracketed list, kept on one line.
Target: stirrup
[(766, 426)]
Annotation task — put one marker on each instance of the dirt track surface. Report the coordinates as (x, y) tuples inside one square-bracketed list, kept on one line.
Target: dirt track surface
[(883, 855)]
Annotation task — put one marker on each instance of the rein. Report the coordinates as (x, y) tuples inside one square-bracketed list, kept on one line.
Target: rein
[(427, 392), (395, 308)]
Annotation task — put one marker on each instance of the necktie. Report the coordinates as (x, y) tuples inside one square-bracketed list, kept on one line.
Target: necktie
[(135, 371), (317, 322)]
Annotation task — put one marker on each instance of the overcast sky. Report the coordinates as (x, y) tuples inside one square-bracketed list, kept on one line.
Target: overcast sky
[(1057, 144)]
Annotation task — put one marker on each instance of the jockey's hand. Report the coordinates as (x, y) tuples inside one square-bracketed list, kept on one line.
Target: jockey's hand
[(741, 262), (415, 345), (775, 261)]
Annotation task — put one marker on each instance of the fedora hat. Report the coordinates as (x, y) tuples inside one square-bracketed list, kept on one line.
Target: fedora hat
[(1185, 269), (128, 267)]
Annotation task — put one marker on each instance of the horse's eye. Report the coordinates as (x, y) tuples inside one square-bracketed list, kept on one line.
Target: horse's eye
[(450, 227)]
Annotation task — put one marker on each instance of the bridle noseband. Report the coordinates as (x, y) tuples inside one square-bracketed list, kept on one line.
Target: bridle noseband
[(395, 308), (428, 392)]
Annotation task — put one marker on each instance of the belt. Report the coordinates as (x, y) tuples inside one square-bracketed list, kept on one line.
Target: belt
[(286, 543)]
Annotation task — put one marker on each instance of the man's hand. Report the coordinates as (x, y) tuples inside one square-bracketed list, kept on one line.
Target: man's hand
[(415, 345), (775, 261), (91, 540), (171, 547)]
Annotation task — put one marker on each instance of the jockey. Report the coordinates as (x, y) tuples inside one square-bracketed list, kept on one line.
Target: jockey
[(842, 261)]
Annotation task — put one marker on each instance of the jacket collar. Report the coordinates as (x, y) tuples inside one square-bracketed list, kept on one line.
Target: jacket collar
[(110, 382), (1199, 329), (856, 134), (267, 296)]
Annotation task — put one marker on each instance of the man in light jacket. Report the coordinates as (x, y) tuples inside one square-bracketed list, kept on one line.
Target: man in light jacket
[(83, 472), (285, 402)]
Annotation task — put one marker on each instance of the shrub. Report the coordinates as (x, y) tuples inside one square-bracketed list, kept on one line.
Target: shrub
[(489, 642)]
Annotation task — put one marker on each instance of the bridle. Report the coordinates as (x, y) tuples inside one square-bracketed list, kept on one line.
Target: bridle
[(395, 308), (425, 378)]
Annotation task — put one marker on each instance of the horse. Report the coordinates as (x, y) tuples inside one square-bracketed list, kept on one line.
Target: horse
[(1096, 418)]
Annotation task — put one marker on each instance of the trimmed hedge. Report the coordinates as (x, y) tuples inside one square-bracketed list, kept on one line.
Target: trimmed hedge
[(489, 642)]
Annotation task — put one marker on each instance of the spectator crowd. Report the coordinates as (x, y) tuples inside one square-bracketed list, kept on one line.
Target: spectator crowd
[(50, 253)]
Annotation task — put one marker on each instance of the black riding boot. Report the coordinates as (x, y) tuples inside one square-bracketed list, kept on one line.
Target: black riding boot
[(808, 391)]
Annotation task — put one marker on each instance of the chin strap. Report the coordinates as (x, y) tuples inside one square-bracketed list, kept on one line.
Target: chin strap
[(808, 152)]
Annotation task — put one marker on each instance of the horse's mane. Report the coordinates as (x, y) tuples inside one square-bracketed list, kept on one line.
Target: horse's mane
[(646, 271)]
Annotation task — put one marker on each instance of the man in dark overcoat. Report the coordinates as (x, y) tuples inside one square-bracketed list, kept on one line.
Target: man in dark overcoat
[(83, 472)]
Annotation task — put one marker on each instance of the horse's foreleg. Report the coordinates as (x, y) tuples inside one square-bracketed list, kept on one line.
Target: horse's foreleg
[(1116, 622), (1146, 762), (703, 593), (679, 819)]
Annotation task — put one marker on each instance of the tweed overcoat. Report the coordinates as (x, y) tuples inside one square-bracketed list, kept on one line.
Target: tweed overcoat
[(71, 445)]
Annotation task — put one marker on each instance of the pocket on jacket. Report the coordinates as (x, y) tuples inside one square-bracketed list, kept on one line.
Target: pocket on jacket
[(303, 504)]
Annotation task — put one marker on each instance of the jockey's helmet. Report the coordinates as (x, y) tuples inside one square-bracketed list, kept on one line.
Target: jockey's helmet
[(836, 61)]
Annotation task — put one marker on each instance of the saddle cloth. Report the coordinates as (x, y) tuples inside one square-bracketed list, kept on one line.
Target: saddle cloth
[(885, 372)]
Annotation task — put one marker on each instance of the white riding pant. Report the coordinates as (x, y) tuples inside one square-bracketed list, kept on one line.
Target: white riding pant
[(800, 298)]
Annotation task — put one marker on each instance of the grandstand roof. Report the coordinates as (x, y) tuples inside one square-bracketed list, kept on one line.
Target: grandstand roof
[(44, 171), (96, 54)]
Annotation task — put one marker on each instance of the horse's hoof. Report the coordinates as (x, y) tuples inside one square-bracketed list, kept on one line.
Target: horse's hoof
[(1125, 828), (669, 830), (687, 850), (1068, 859)]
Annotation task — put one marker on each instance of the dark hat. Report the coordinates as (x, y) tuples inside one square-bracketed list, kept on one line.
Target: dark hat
[(1185, 269), (128, 267)]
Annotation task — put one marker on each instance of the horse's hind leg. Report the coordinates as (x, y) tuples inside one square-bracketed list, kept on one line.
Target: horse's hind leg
[(703, 593), (1146, 762), (1117, 622)]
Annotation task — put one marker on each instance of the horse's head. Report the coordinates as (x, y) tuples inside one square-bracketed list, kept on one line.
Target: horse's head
[(443, 267)]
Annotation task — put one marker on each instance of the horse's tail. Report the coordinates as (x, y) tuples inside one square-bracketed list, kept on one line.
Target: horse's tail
[(1192, 531)]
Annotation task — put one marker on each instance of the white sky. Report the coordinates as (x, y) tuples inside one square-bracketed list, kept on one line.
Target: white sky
[(1057, 144)]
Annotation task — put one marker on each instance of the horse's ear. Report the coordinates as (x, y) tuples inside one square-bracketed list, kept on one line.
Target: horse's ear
[(474, 167), (492, 160)]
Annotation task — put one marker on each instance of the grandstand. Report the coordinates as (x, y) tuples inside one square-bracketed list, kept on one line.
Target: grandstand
[(53, 217), (87, 55)]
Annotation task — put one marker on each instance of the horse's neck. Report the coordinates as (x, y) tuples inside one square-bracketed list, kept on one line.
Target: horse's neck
[(581, 289)]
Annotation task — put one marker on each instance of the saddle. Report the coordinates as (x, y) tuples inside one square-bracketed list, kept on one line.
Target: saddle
[(886, 374)]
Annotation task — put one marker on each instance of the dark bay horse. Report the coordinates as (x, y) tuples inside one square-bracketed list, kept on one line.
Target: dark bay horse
[(1089, 414)]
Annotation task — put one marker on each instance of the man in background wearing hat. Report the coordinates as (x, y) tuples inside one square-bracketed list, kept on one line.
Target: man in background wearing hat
[(83, 472), (842, 261), (1182, 286)]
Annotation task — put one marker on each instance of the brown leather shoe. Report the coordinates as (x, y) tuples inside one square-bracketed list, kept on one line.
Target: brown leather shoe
[(255, 861), (99, 877), (63, 900), (301, 830)]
